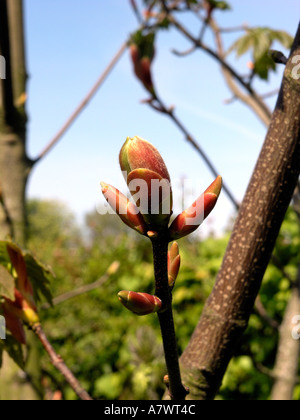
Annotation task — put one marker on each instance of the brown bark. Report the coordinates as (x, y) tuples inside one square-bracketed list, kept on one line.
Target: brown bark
[(287, 358), (14, 163), (269, 193)]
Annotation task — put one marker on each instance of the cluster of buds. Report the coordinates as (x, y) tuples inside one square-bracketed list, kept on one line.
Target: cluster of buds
[(22, 309), (149, 183), (142, 54)]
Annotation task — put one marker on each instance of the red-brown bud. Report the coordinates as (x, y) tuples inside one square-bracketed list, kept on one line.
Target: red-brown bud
[(124, 208), (138, 153), (140, 303), (189, 220), (148, 180), (173, 264), (142, 52)]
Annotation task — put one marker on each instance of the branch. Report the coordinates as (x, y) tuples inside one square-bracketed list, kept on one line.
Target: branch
[(260, 104), (112, 269), (287, 358), (170, 112), (268, 196), (252, 99), (264, 314), (17, 48), (83, 104), (59, 364)]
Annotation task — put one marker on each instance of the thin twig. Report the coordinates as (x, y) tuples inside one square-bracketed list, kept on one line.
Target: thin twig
[(112, 269), (264, 314), (221, 60), (136, 11), (170, 112), (251, 99), (83, 104), (60, 365)]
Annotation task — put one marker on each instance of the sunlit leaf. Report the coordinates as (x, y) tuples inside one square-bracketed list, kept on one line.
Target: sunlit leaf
[(258, 41)]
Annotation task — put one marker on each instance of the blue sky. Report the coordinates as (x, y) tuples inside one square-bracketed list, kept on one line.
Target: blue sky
[(70, 42)]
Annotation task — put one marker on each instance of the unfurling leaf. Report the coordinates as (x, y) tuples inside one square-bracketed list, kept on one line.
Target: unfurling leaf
[(259, 41)]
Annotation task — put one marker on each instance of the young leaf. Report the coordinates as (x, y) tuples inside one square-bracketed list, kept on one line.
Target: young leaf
[(258, 41), (7, 284), (37, 272), (221, 5), (39, 275)]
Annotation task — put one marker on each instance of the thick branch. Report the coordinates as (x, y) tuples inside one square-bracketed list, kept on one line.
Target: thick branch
[(268, 196), (17, 47), (287, 358), (6, 87)]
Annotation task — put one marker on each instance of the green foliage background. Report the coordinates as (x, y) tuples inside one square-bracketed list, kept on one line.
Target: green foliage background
[(117, 355)]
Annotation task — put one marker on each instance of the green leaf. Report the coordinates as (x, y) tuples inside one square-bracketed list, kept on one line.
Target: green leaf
[(7, 284), (263, 65), (242, 45), (221, 5), (39, 275), (14, 350), (145, 43), (284, 38), (258, 41), (4, 257)]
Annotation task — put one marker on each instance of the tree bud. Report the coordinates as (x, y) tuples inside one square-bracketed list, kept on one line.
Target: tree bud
[(189, 220), (140, 303)]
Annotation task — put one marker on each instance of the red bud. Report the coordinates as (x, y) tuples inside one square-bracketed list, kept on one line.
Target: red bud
[(189, 220), (173, 264), (140, 303), (148, 180), (125, 209), (138, 153)]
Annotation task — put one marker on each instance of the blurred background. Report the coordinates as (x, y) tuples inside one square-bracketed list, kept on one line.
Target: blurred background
[(69, 44)]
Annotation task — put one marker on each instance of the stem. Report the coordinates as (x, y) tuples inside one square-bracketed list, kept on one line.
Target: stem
[(162, 290), (59, 364)]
